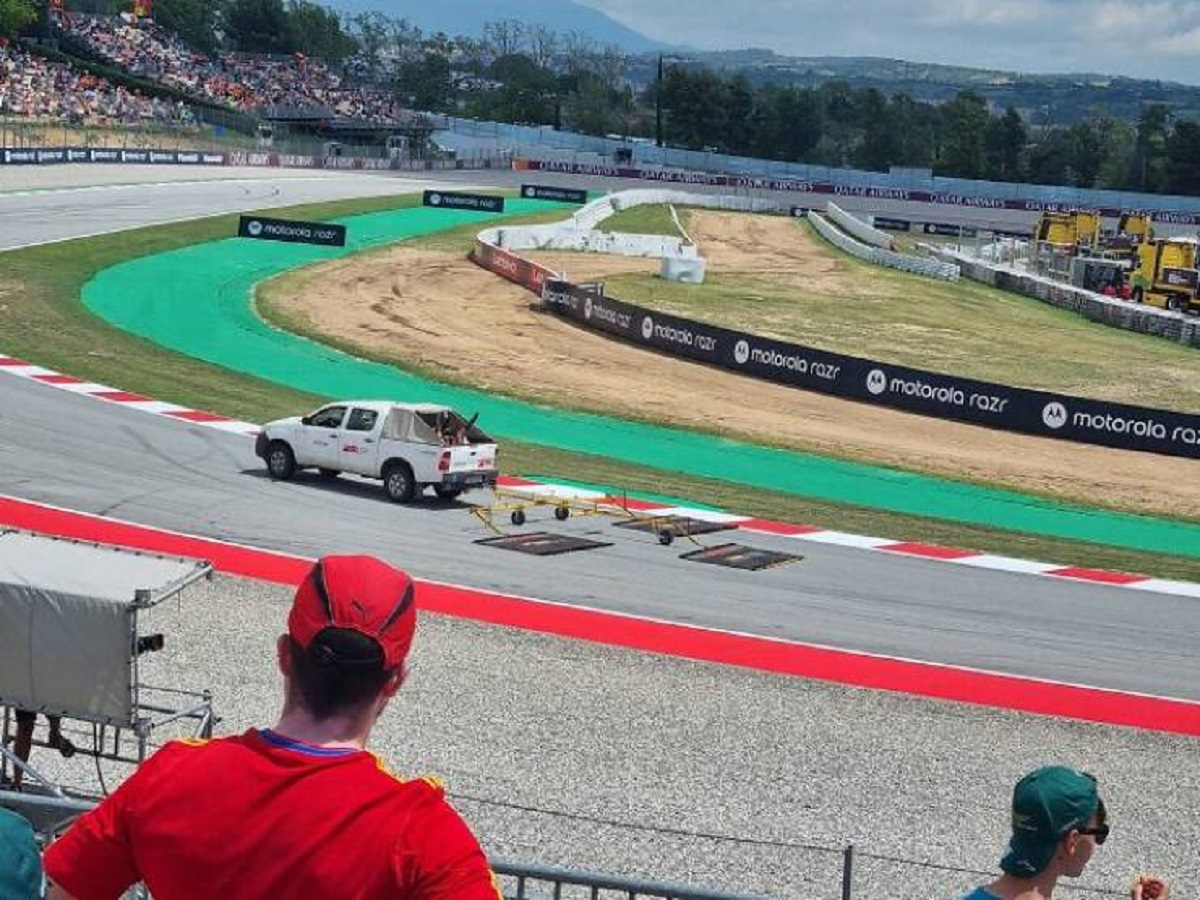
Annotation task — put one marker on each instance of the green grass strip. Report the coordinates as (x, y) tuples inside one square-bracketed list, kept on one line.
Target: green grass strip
[(197, 301)]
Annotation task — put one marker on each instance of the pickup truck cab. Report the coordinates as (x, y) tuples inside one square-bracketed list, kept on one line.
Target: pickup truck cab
[(409, 446)]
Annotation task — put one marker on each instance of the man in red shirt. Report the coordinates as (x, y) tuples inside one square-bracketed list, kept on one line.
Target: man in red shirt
[(301, 809)]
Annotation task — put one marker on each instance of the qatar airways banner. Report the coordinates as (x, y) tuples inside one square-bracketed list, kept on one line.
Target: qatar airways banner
[(746, 182), (913, 390)]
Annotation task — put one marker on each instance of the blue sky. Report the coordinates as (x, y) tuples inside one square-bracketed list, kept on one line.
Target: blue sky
[(1150, 39)]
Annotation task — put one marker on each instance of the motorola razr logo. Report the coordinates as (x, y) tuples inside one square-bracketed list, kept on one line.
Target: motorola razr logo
[(1054, 415), (255, 228), (647, 328), (587, 307), (530, 190), (741, 352), (876, 382), (435, 199)]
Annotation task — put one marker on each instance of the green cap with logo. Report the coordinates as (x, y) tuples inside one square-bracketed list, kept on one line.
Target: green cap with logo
[(1047, 803), (20, 865)]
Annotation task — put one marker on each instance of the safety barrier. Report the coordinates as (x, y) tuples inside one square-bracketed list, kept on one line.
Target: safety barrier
[(1003, 407), (579, 233), (858, 228), (1169, 210), (1173, 326), (33, 156), (648, 161), (878, 256)]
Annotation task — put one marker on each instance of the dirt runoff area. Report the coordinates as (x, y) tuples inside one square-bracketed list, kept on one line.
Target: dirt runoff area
[(439, 312)]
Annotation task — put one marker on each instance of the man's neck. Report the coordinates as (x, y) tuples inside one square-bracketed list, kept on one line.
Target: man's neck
[(344, 733), (1009, 887)]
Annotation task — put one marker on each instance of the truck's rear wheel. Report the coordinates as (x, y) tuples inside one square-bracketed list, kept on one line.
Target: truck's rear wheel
[(281, 462), (398, 482), (445, 492), (1175, 303)]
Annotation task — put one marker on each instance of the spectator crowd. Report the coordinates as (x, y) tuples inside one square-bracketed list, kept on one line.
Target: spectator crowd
[(37, 88), (249, 83)]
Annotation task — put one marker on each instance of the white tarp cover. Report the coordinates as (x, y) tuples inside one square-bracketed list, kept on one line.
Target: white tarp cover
[(67, 615)]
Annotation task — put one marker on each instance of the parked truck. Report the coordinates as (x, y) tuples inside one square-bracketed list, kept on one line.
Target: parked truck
[(408, 446), (1167, 274)]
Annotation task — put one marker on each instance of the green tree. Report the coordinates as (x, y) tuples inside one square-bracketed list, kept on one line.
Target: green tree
[(193, 21), (1118, 142), (425, 84), (1183, 159), (1150, 160), (526, 94), (317, 32), (965, 120), (257, 26), (1005, 141), (15, 15), (880, 144)]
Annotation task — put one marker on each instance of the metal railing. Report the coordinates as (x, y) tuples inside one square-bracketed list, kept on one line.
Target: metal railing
[(524, 881)]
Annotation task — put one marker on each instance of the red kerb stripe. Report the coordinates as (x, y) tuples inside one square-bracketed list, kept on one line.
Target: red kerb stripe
[(122, 397), (932, 551), (58, 379), (195, 415), (1099, 575)]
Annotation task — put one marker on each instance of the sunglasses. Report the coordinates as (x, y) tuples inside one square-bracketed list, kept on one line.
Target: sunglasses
[(1100, 833)]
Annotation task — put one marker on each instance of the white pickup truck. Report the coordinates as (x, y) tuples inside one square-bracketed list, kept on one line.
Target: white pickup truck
[(407, 445)]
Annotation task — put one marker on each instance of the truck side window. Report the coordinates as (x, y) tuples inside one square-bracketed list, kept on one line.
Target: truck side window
[(361, 420), (328, 418)]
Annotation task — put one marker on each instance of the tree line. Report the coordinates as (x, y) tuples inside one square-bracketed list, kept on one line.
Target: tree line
[(525, 74), (837, 125)]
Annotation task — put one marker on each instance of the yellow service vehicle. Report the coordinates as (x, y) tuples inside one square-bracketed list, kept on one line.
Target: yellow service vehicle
[(1166, 274), (1133, 230), (1073, 231)]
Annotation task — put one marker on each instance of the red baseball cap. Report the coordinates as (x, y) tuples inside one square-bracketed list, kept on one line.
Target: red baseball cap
[(359, 593)]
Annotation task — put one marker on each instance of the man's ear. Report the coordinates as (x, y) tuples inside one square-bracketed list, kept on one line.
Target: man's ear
[(395, 682), (283, 655)]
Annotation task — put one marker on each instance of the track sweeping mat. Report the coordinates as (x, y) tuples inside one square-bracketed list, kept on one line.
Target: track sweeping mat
[(542, 543), (737, 556), (680, 526)]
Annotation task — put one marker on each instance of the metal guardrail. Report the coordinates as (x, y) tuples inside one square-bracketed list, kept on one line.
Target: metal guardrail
[(523, 881)]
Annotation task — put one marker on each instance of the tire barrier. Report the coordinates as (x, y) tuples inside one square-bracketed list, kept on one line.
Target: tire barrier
[(1006, 408)]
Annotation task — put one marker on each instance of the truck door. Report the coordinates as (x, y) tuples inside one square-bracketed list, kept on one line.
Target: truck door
[(317, 442), (359, 442)]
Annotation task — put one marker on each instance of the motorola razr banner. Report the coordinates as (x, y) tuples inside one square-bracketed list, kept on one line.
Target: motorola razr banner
[(549, 192), (292, 232), (458, 200), (913, 390)]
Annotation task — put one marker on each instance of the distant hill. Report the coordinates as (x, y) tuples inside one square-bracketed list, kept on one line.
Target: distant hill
[(1041, 99), (467, 17)]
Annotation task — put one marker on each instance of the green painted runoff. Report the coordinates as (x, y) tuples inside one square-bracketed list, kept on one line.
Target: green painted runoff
[(198, 301)]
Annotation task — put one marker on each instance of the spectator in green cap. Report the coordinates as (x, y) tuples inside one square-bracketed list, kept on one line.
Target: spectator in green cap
[(20, 865), (1058, 820)]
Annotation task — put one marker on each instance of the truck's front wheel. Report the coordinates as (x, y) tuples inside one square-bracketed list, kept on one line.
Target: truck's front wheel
[(398, 482), (281, 462)]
